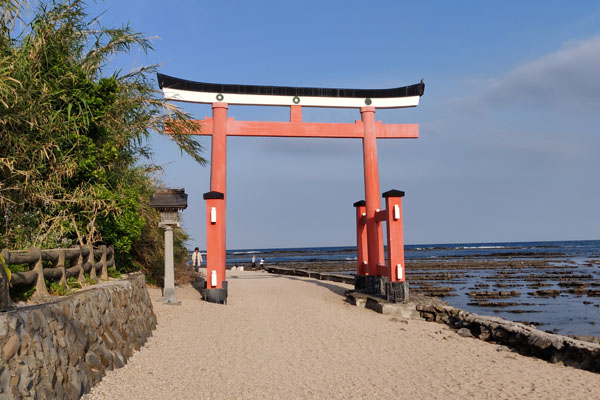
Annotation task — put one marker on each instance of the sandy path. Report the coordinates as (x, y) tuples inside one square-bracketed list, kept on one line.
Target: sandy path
[(294, 338)]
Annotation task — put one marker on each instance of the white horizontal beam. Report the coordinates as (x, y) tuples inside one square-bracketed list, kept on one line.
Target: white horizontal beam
[(305, 101)]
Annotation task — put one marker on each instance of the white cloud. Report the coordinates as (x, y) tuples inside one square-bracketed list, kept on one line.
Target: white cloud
[(568, 77)]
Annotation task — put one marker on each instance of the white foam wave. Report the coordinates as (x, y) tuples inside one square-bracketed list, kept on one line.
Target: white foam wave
[(480, 247)]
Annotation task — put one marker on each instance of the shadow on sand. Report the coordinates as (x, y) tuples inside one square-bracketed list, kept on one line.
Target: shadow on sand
[(340, 291)]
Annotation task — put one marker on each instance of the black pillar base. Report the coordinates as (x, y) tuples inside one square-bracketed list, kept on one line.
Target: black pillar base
[(215, 295), (395, 292), (370, 284)]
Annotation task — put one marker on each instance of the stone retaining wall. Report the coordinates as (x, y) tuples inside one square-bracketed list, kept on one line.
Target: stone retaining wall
[(523, 338), (58, 350)]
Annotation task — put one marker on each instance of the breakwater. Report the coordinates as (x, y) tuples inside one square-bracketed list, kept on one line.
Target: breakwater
[(59, 349)]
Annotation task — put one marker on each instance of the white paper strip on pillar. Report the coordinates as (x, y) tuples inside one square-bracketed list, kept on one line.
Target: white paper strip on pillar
[(396, 212), (213, 278), (399, 271), (213, 215)]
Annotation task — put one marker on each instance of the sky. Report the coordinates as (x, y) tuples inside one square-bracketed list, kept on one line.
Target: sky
[(509, 146)]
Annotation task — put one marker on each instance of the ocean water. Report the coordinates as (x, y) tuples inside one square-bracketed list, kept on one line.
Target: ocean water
[(566, 313)]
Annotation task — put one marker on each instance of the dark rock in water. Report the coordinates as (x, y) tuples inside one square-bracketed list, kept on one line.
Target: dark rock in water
[(483, 303), (438, 291), (537, 285), (569, 283), (529, 323), (493, 294), (517, 311), (545, 293)]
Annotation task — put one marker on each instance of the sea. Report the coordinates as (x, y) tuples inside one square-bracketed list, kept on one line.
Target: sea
[(570, 312)]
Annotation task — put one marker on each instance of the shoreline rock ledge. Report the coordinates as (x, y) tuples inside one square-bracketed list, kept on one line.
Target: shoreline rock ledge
[(525, 339), (60, 349)]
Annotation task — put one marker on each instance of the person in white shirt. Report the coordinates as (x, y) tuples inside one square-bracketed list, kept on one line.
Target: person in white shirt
[(197, 259)]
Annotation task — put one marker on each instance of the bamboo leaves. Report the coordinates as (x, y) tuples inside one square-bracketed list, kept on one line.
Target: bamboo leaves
[(73, 137)]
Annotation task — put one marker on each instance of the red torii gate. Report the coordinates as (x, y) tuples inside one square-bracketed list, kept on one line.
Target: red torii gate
[(371, 263)]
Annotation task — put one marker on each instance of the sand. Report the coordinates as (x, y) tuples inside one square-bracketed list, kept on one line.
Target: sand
[(282, 337)]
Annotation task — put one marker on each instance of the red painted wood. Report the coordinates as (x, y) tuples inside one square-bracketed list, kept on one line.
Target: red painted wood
[(369, 231), (216, 240), (371, 176), (381, 216), (295, 113), (215, 243), (395, 240), (308, 129), (361, 241)]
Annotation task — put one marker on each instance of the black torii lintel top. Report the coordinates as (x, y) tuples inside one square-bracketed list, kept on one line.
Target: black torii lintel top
[(165, 81)]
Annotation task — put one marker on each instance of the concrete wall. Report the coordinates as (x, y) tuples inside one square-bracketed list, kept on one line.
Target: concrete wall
[(58, 350)]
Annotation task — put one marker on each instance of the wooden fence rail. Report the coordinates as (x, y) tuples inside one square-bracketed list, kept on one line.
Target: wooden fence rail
[(81, 260)]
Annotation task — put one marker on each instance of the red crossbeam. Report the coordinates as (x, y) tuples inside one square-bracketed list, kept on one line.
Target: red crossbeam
[(308, 129)]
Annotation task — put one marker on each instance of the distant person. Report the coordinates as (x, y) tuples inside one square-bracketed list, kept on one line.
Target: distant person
[(262, 262), (253, 261), (197, 259)]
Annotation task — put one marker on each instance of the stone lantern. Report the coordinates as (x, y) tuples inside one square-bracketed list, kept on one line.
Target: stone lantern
[(169, 202)]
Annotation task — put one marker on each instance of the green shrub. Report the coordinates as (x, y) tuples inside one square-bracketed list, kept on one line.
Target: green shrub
[(21, 292), (72, 282), (113, 273), (56, 289)]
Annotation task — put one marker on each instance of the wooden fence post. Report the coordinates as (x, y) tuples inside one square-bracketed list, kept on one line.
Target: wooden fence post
[(81, 277), (90, 259), (104, 273), (60, 264), (4, 294), (40, 285)]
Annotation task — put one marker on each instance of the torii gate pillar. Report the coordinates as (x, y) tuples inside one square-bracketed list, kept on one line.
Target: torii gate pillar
[(216, 285), (375, 252)]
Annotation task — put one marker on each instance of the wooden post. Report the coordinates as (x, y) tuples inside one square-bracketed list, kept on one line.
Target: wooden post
[(40, 285), (371, 176), (362, 250), (81, 277), (104, 273), (216, 246), (90, 259), (215, 240), (395, 235), (61, 265)]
